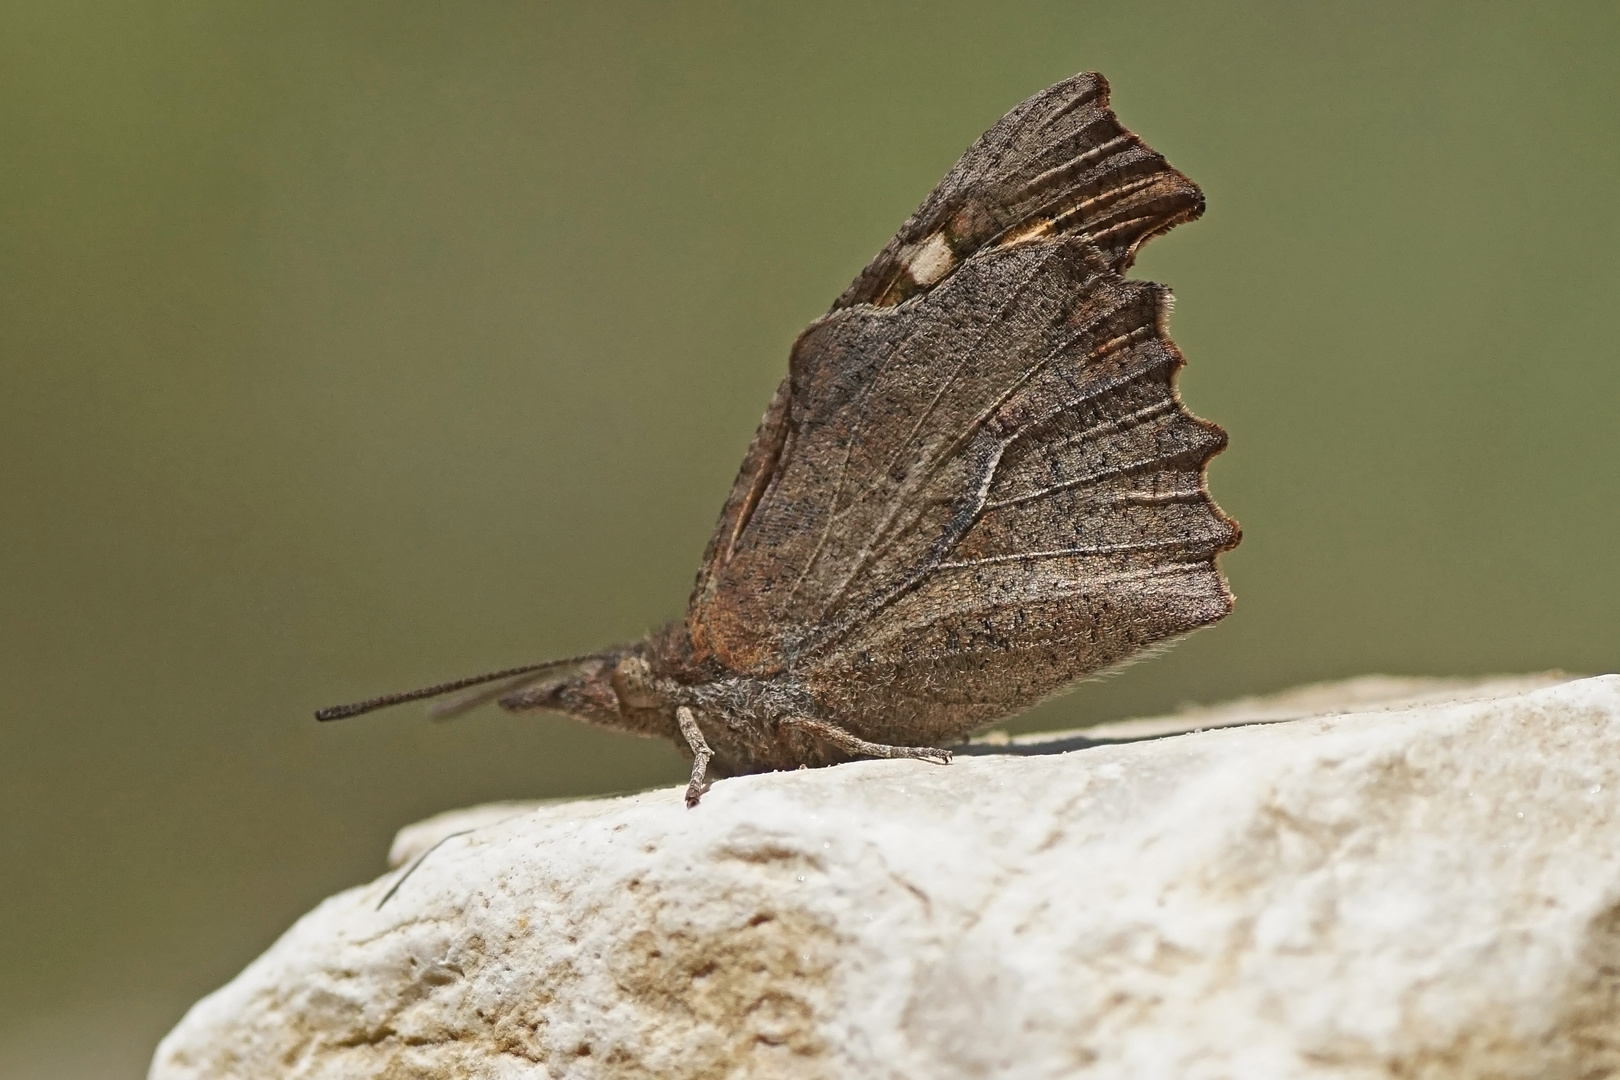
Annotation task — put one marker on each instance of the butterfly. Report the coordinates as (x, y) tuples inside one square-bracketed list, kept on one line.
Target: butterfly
[(976, 485)]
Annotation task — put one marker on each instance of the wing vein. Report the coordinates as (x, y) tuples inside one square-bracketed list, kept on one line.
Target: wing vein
[(1059, 173), (1092, 477), (1081, 551), (843, 470), (1074, 104)]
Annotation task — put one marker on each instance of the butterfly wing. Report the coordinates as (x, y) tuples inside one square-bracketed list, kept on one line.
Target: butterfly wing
[(1060, 522), (1061, 163), (991, 467)]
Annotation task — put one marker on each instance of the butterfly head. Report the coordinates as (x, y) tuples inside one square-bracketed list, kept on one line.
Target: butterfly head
[(605, 689)]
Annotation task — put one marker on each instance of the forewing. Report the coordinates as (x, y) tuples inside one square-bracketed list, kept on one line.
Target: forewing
[(1061, 163)]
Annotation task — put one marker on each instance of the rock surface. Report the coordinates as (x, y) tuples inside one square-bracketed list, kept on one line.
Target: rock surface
[(1421, 891)]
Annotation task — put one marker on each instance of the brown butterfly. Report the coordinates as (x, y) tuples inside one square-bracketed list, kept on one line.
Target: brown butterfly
[(977, 483)]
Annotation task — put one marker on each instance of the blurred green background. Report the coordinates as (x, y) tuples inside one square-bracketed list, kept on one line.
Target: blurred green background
[(346, 347)]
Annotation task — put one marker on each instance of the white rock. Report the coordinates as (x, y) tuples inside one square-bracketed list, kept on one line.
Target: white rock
[(1423, 892)]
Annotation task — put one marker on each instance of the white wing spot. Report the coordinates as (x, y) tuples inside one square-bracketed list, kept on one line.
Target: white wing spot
[(932, 261)]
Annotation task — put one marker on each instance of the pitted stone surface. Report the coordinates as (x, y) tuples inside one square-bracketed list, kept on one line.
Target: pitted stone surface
[(1428, 890)]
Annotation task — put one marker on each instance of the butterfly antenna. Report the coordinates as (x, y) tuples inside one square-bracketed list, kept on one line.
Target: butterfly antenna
[(343, 712), (472, 699)]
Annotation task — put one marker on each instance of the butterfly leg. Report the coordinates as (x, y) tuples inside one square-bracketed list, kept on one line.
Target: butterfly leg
[(849, 743), (701, 754)]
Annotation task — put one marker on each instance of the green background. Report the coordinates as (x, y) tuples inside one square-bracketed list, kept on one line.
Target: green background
[(346, 347)]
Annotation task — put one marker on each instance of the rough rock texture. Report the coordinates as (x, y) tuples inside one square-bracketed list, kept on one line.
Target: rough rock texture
[(1428, 891)]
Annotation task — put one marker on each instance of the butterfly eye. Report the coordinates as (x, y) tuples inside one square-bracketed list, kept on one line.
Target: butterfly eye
[(633, 683)]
